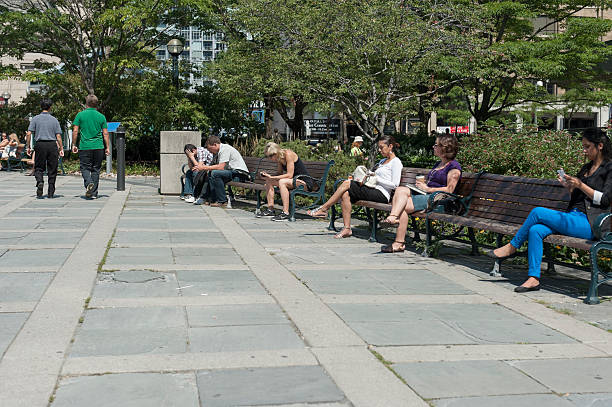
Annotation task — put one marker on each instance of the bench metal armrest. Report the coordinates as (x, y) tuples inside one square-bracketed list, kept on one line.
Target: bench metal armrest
[(301, 178), (598, 224), (338, 182)]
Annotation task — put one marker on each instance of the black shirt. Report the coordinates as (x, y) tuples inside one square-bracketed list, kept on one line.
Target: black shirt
[(600, 180)]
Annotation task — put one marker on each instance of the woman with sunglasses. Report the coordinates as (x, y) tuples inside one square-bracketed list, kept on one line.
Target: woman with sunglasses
[(289, 167), (388, 175), (444, 177), (592, 187)]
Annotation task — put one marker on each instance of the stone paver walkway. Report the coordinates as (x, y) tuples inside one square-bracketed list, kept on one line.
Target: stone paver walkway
[(137, 299)]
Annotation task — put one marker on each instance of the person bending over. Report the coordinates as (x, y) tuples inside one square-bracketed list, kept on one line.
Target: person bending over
[(289, 167)]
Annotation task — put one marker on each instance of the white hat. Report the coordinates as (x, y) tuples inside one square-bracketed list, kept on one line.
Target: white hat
[(358, 138)]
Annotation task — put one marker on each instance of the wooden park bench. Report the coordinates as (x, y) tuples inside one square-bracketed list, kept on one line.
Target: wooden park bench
[(501, 204), (318, 171)]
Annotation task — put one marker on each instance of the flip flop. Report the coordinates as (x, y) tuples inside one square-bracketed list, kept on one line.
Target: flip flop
[(317, 213), (342, 235)]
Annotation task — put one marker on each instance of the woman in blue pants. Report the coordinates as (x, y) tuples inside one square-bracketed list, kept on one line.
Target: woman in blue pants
[(591, 187)]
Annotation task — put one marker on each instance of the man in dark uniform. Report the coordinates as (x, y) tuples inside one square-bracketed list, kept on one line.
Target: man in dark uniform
[(47, 147)]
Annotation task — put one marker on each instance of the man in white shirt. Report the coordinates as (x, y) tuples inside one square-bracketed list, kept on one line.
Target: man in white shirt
[(228, 164)]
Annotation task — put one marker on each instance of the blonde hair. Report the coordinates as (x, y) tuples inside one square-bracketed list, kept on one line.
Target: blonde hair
[(13, 137), (273, 148)]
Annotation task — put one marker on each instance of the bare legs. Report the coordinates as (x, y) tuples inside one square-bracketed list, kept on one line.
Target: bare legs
[(341, 195), (401, 209), (284, 185)]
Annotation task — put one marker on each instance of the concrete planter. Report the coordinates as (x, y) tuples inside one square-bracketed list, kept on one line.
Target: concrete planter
[(172, 158)]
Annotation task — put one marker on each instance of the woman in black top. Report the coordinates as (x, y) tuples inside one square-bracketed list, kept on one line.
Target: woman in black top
[(592, 186), (289, 167)]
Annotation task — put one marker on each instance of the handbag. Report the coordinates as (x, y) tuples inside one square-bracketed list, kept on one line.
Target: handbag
[(365, 176), (445, 203)]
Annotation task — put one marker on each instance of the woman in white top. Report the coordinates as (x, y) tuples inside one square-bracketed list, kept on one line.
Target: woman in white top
[(388, 174)]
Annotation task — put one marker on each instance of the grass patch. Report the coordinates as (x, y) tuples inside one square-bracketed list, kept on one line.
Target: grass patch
[(387, 364), (108, 246)]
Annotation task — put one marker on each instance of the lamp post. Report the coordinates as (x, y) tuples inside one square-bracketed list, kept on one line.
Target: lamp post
[(175, 47), (535, 109)]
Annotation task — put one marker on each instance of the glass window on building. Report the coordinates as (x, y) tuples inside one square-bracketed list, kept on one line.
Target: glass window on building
[(207, 37), (196, 35)]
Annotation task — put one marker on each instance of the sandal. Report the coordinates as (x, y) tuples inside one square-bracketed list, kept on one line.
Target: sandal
[(390, 220), (391, 249), (343, 233), (317, 213)]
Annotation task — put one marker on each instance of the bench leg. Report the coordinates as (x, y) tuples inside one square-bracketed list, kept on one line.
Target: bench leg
[(496, 272), (592, 298), (373, 226), (550, 268), (428, 237), (332, 219), (415, 230), (473, 242), (258, 207), (291, 208)]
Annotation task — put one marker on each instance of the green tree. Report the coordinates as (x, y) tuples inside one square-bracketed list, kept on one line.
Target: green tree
[(522, 42), (365, 58), (101, 42)]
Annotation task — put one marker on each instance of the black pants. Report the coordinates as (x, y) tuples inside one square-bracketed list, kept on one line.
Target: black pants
[(91, 161), (46, 157)]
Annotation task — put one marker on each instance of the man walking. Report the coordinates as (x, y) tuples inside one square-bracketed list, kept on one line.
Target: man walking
[(47, 147), (229, 164), (92, 127)]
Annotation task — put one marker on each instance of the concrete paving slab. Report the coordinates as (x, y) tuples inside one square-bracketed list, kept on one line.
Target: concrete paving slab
[(136, 284), (53, 237), (202, 255), (592, 375), (206, 276), (540, 400), (129, 341), (269, 386), (242, 338), (139, 255), (467, 378), (10, 324), (23, 287), (129, 389), (409, 333), (252, 314), (200, 237), (122, 237), (590, 400), (134, 318)]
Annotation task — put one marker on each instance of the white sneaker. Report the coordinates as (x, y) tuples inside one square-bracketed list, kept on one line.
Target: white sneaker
[(182, 197), (189, 199), (200, 201)]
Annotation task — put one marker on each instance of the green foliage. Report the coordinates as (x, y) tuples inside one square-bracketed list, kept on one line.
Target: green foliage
[(525, 153), (521, 42), (344, 163)]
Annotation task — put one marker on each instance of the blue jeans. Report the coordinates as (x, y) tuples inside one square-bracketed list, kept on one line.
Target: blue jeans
[(542, 222), (189, 176), (215, 189)]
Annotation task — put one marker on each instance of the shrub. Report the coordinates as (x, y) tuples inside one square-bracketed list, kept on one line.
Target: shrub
[(525, 153)]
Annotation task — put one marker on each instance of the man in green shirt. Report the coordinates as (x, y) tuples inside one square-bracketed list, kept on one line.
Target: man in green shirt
[(92, 127)]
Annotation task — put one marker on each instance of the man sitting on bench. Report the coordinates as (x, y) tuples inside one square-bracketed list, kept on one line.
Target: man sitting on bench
[(195, 177), (227, 165)]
